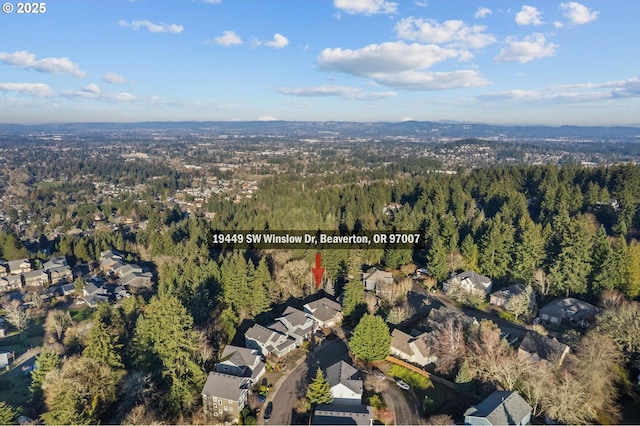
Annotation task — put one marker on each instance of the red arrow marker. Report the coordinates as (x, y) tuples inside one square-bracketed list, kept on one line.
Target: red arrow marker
[(318, 271)]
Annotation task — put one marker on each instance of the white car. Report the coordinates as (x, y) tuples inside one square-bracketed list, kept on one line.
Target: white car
[(402, 384)]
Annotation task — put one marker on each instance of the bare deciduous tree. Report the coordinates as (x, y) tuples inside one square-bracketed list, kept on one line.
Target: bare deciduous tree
[(540, 282), (15, 314), (400, 313), (376, 383), (57, 322), (521, 305), (449, 345), (611, 299)]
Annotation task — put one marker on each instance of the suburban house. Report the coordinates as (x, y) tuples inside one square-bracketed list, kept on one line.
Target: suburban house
[(37, 278), (19, 266), (5, 358), (109, 258), (130, 275), (11, 282), (335, 414), (268, 341), (345, 383), (55, 262), (241, 362), (543, 348), (499, 408), (4, 268), (470, 281), (92, 294), (60, 274), (374, 278), (283, 335), (224, 396), (502, 297), (137, 281), (325, 312), (576, 311), (416, 350)]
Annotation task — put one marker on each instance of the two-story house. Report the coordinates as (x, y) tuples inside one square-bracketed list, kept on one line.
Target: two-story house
[(241, 362), (224, 396)]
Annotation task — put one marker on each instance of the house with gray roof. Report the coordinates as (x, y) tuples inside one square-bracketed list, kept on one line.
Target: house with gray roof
[(375, 278), (416, 350), (19, 266), (137, 281), (224, 396), (543, 348), (241, 362), (37, 278), (325, 312), (92, 294), (55, 262), (345, 383), (60, 274), (10, 283), (268, 341), (576, 311), (470, 281), (502, 297), (298, 325), (499, 408), (336, 414)]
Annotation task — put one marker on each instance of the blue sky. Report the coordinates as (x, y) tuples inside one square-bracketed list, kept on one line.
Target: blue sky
[(504, 62)]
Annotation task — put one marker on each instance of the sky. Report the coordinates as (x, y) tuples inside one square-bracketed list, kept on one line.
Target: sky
[(500, 62)]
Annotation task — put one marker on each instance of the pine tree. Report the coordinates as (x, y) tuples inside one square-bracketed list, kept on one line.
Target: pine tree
[(353, 290), (572, 266), (437, 260), (495, 248), (235, 289), (469, 251), (103, 345), (259, 284), (371, 340), (8, 414), (319, 391), (529, 249), (47, 361)]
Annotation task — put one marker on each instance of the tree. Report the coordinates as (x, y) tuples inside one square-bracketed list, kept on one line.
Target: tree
[(15, 314), (449, 345), (437, 261), (495, 247), (469, 251), (572, 265), (80, 392), (522, 304), (8, 414), (371, 340), (57, 322), (47, 361), (319, 391), (165, 341), (529, 249), (622, 324), (103, 345), (78, 286), (354, 289)]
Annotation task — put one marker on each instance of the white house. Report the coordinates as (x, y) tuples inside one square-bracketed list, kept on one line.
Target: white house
[(345, 383)]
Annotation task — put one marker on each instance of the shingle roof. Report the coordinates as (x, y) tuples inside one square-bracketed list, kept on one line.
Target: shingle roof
[(225, 386), (341, 372), (324, 309), (400, 342), (337, 414), (501, 408), (543, 347)]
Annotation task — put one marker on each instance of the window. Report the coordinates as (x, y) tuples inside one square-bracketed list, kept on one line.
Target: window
[(226, 408), (215, 414), (220, 411), (230, 408), (220, 401)]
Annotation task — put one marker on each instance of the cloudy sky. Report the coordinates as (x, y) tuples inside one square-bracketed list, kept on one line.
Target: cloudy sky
[(511, 62)]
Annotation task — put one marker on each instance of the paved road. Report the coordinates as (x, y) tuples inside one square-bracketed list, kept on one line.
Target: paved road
[(295, 385), (404, 404)]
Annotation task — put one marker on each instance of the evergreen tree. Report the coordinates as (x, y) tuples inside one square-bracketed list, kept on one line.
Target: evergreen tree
[(319, 391), (495, 248), (259, 284), (469, 251), (165, 342), (8, 414), (437, 261), (354, 289), (371, 340), (572, 266), (103, 345), (235, 288), (632, 287), (47, 361), (529, 249)]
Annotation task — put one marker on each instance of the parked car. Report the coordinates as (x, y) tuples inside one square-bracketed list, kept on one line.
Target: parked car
[(402, 384), (268, 411)]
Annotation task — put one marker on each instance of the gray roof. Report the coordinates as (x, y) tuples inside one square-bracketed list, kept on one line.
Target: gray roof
[(14, 265), (543, 347), (239, 356), (341, 372), (225, 386), (337, 414), (38, 273), (259, 334), (501, 408), (570, 308), (293, 316), (374, 274), (323, 309), (400, 342), (55, 262), (481, 282)]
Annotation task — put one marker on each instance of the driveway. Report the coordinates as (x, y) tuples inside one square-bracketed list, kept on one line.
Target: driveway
[(295, 384), (403, 403)]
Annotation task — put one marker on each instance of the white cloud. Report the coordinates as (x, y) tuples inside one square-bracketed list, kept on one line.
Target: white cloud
[(452, 33), (578, 13), (345, 92), (412, 80), (389, 57), (113, 78), (91, 88), (529, 15), (212, 1), (267, 118), (482, 12), (279, 41), (37, 90), (152, 27), (98, 96), (558, 24), (26, 60), (422, 3), (530, 48), (228, 38), (366, 7)]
